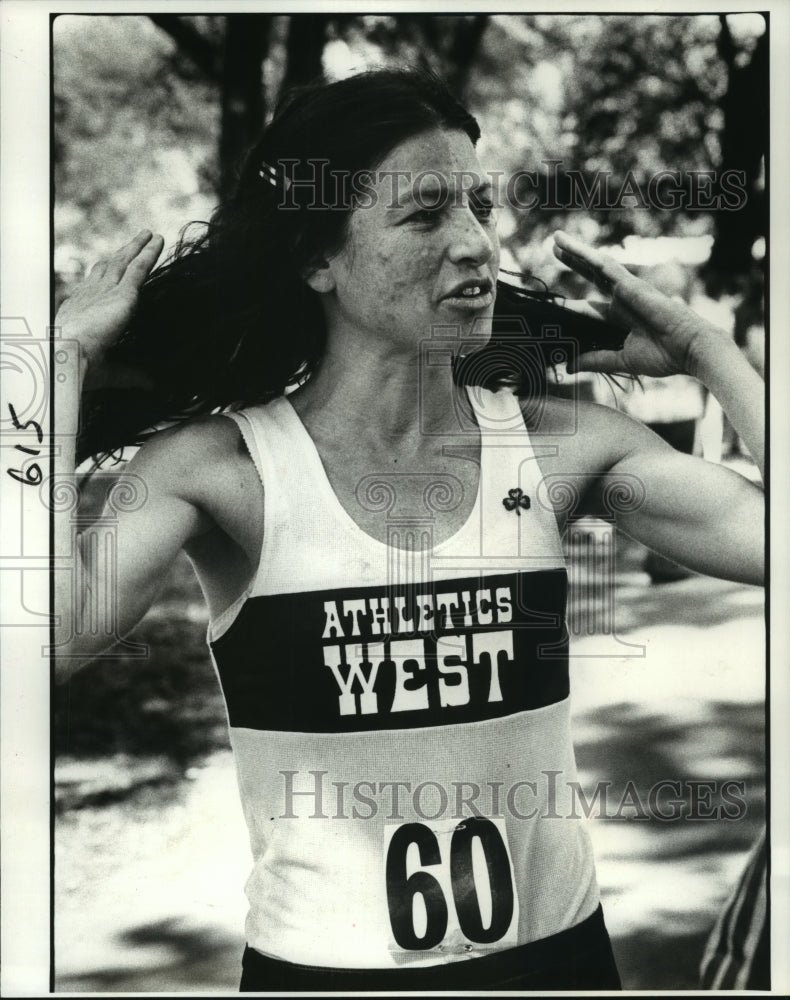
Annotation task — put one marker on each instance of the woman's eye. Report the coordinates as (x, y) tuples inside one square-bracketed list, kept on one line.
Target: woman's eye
[(425, 215), (483, 209)]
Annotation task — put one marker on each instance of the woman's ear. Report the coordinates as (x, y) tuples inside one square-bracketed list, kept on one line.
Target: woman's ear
[(319, 277)]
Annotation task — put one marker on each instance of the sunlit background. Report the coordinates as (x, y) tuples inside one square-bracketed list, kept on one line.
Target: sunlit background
[(152, 115)]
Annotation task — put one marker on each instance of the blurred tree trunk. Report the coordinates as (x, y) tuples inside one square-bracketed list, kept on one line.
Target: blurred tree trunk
[(242, 96), (236, 66), (446, 43), (464, 42), (304, 49), (202, 51), (744, 142)]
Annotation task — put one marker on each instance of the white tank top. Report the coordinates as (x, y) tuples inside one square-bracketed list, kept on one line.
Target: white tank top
[(400, 720)]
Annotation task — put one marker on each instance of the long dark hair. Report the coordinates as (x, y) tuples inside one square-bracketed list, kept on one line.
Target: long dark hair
[(228, 320)]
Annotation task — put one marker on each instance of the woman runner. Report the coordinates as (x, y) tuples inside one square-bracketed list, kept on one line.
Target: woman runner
[(370, 520)]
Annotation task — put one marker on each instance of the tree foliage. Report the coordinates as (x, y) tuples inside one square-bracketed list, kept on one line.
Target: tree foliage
[(153, 112)]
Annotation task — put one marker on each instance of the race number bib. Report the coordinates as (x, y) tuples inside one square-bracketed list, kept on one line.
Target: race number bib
[(450, 885)]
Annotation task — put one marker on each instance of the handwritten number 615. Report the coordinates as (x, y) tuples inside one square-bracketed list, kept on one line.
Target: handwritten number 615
[(32, 474)]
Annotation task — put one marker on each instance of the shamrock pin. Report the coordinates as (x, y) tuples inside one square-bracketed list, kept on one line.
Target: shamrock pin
[(515, 500)]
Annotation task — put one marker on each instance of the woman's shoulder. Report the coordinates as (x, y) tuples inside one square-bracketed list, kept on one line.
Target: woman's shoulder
[(204, 461), (201, 438), (199, 455)]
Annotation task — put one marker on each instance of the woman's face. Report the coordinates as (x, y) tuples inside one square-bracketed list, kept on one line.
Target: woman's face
[(424, 253)]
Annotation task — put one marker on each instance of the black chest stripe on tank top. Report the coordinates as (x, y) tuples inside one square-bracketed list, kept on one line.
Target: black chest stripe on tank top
[(367, 658)]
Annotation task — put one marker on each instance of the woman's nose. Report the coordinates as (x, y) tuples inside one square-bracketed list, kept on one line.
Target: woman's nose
[(471, 238)]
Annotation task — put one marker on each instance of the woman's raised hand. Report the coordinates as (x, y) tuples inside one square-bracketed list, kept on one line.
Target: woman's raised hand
[(99, 309), (666, 336)]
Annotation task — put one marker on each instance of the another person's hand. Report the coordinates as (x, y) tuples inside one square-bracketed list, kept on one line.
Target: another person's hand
[(666, 336), (99, 310)]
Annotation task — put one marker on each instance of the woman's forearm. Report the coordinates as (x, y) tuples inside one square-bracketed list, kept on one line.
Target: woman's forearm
[(722, 368)]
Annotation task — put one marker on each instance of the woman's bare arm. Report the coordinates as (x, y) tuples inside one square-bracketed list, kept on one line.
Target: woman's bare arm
[(706, 517), (118, 578)]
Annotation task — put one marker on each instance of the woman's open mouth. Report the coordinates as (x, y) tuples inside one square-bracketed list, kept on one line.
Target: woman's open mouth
[(472, 294)]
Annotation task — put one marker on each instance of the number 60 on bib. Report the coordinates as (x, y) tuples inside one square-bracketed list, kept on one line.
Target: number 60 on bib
[(450, 885)]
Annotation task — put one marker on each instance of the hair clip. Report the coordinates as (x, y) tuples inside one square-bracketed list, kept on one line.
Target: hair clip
[(274, 176)]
